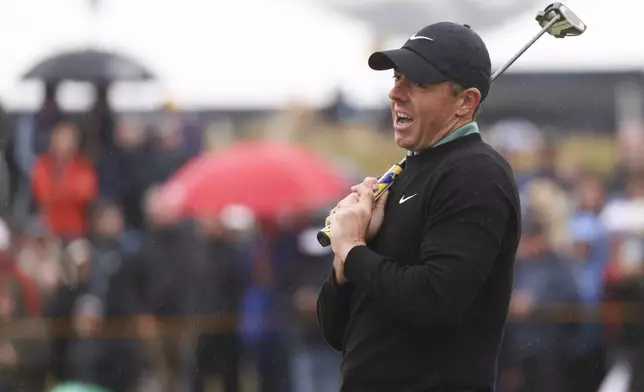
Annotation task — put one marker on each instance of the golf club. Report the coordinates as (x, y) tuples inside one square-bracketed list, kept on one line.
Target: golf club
[(556, 19)]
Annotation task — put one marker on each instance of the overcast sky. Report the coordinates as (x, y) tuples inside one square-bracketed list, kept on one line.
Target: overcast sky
[(267, 52)]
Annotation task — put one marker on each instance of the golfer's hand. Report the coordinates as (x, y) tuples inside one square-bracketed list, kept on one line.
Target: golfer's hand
[(378, 212), (350, 222)]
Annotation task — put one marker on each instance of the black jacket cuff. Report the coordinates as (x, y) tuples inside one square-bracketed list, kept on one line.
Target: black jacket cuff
[(361, 261)]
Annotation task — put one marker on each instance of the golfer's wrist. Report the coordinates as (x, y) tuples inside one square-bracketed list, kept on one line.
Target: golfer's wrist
[(338, 279), (344, 251)]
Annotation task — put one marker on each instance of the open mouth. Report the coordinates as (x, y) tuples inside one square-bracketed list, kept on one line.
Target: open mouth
[(403, 118)]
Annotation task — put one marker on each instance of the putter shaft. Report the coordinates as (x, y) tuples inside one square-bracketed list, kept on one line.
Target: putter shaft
[(525, 47)]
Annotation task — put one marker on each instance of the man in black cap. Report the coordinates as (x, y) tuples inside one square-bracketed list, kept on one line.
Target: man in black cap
[(422, 278)]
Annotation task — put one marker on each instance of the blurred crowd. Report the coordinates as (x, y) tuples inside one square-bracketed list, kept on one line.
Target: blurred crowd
[(104, 286), (576, 306)]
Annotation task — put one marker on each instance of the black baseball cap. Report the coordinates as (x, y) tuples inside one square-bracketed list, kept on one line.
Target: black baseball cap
[(440, 52)]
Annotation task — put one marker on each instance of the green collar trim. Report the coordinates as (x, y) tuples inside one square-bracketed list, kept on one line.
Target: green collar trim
[(465, 130)]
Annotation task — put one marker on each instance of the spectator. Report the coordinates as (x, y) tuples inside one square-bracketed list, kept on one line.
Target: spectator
[(33, 138), (315, 365), (99, 136), (109, 254), (535, 347), (167, 156), (623, 217), (626, 214), (219, 349), (552, 205), (78, 317), (167, 280), (23, 358), (267, 305), (120, 173), (64, 184), (628, 144), (590, 255), (191, 132), (121, 359), (518, 140), (39, 256), (14, 278)]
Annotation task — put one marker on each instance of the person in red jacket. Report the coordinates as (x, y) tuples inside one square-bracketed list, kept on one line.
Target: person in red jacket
[(64, 183)]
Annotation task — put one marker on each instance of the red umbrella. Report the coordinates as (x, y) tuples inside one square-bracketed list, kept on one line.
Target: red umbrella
[(269, 178)]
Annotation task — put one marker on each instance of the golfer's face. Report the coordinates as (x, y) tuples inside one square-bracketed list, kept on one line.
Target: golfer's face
[(420, 112)]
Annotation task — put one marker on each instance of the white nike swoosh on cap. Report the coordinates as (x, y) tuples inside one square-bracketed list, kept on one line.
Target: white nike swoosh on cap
[(415, 37)]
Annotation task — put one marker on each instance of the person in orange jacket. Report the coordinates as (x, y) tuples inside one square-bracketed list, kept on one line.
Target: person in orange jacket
[(64, 184)]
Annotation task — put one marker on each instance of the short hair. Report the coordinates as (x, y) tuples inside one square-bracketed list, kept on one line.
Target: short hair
[(458, 88)]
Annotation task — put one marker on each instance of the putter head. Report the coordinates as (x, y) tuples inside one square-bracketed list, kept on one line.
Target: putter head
[(568, 24)]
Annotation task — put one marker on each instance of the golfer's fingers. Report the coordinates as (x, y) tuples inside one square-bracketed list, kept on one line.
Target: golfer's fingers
[(353, 198), (380, 203), (366, 196), (331, 213), (370, 182)]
